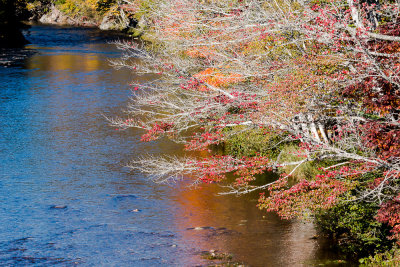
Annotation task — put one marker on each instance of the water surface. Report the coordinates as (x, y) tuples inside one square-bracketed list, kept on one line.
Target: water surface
[(65, 196)]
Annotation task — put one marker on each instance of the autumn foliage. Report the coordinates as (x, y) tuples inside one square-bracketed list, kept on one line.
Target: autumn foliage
[(321, 77)]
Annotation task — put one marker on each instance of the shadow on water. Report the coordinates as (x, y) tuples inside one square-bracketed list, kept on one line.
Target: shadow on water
[(14, 57), (65, 197)]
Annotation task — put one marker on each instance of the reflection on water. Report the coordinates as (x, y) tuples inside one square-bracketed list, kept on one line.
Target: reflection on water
[(81, 63), (65, 197), (253, 236)]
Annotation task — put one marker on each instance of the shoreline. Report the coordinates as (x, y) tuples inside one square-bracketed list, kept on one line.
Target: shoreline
[(115, 19), (105, 22)]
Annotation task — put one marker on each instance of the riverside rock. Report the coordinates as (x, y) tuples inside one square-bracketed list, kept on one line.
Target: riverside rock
[(56, 17)]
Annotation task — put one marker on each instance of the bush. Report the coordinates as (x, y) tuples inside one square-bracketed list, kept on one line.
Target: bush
[(89, 8), (354, 227), (389, 258), (251, 143), (104, 5)]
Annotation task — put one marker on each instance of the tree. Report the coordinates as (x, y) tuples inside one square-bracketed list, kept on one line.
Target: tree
[(323, 75), (10, 14)]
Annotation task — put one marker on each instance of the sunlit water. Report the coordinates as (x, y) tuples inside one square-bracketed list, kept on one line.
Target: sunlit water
[(66, 197)]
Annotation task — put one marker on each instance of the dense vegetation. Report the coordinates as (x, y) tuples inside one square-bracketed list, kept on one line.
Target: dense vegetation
[(91, 9), (11, 13), (308, 89), (106, 14)]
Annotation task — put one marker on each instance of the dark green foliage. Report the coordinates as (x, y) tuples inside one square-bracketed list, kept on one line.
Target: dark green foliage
[(353, 224), (354, 227), (390, 258), (256, 142)]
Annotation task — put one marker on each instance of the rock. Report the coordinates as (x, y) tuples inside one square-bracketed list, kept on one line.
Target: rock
[(201, 228), (215, 255), (60, 207), (55, 16), (115, 20), (135, 210)]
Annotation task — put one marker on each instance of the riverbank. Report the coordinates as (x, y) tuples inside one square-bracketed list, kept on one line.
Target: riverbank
[(66, 199), (280, 97), (107, 17)]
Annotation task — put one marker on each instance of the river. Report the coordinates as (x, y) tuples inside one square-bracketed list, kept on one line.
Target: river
[(65, 196)]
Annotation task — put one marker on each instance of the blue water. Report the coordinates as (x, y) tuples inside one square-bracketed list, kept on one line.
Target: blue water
[(65, 196), (56, 149)]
